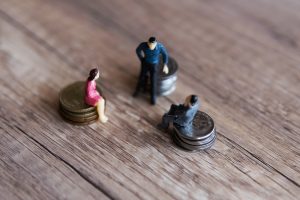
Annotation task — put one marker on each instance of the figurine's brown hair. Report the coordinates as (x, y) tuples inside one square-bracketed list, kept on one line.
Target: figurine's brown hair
[(93, 74)]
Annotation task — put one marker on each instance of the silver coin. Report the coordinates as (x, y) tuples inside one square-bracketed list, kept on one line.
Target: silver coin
[(166, 83), (162, 90), (165, 88), (205, 141), (201, 128), (167, 92), (199, 136), (190, 147)]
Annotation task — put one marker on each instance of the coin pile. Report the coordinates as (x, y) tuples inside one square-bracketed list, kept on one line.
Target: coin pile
[(166, 83), (72, 106), (200, 135)]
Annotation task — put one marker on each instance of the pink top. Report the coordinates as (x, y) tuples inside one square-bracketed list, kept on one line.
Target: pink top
[(92, 96)]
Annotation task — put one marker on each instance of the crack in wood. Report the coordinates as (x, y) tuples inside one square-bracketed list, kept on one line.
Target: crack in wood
[(81, 174), (259, 159)]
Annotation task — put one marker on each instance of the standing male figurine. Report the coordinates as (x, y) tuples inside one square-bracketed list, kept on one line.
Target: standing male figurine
[(149, 55)]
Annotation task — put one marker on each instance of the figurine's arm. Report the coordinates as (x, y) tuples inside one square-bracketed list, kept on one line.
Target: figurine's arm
[(139, 51), (173, 109), (165, 56)]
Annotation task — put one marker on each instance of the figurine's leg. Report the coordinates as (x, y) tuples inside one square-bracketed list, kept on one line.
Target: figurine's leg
[(165, 121), (100, 110), (141, 80), (145, 84), (153, 77)]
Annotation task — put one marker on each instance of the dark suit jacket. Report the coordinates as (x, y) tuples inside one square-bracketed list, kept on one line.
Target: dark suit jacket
[(183, 115)]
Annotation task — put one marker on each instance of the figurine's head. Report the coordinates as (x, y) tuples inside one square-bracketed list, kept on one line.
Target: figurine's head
[(152, 43), (191, 100), (94, 74)]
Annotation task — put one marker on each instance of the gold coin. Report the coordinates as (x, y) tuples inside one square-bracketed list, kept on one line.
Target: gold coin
[(77, 119), (78, 115), (71, 98)]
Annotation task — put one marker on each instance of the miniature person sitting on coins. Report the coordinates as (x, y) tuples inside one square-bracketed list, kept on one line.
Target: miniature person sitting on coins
[(92, 96), (149, 55), (181, 115)]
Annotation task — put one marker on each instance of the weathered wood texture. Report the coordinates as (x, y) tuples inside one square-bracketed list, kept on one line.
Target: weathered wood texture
[(240, 57)]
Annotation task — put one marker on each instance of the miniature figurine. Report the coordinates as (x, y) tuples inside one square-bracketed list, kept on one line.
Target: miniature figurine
[(192, 130), (181, 115), (92, 96), (149, 55)]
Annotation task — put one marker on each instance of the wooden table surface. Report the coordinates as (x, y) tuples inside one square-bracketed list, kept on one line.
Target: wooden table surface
[(240, 57)]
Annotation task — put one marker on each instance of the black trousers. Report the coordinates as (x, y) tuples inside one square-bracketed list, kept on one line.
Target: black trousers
[(166, 120), (142, 82)]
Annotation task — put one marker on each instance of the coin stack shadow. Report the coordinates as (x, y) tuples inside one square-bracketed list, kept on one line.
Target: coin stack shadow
[(166, 83), (72, 106), (200, 135)]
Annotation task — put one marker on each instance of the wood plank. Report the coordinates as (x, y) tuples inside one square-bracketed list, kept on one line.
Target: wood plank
[(256, 152), (25, 164)]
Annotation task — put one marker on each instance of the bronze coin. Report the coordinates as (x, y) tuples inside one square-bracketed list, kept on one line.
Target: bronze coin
[(77, 119), (72, 96)]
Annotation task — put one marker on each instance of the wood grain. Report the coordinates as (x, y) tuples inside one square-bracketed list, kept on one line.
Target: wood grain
[(240, 57)]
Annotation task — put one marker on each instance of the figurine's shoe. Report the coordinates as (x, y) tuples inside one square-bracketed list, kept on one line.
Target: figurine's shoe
[(153, 102), (135, 94), (162, 127), (103, 119)]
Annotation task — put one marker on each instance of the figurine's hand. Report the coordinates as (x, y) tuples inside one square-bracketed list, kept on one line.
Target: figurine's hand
[(166, 69)]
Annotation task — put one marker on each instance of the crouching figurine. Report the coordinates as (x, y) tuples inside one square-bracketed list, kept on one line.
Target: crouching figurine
[(193, 130), (181, 115)]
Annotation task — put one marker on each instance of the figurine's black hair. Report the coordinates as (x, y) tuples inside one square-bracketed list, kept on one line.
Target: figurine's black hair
[(194, 99), (152, 39), (93, 74)]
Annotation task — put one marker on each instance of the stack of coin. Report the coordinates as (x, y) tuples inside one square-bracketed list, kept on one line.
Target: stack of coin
[(200, 135), (72, 106), (166, 83)]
